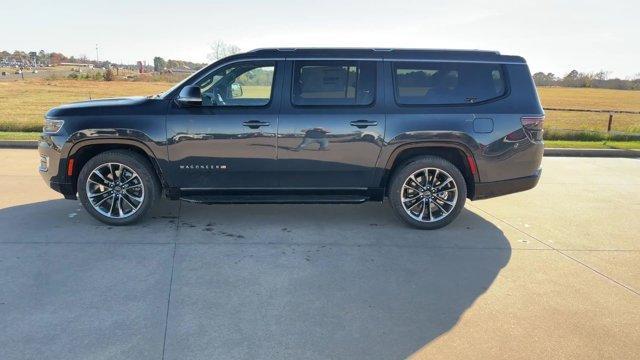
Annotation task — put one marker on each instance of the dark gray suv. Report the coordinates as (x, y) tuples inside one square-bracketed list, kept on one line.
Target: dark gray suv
[(425, 128)]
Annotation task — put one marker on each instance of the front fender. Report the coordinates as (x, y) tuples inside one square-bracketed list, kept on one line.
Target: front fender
[(156, 150)]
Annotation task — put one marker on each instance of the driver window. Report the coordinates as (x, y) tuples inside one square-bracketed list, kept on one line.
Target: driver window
[(240, 84)]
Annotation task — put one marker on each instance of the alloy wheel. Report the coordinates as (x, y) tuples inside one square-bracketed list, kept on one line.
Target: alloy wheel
[(429, 194), (115, 190)]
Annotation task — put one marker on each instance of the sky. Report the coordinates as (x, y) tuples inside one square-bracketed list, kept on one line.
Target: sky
[(554, 36)]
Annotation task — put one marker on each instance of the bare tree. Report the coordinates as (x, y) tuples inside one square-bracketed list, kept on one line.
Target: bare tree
[(220, 49), (601, 75)]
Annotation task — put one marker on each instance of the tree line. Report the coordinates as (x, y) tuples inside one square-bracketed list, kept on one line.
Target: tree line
[(41, 57), (162, 65), (587, 80)]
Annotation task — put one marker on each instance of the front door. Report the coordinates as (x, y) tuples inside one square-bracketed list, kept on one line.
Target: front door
[(229, 141), (331, 124)]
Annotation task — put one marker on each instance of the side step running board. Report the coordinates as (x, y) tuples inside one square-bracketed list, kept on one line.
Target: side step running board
[(275, 199)]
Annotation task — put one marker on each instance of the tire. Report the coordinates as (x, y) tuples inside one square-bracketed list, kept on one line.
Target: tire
[(444, 206), (125, 200)]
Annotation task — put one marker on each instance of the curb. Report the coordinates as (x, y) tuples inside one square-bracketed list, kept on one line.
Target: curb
[(607, 153), (18, 144), (610, 153)]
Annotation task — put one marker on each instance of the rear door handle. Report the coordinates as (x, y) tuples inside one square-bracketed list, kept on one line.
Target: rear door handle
[(254, 124), (361, 124)]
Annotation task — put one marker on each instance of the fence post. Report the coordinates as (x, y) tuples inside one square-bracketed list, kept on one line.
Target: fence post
[(610, 121)]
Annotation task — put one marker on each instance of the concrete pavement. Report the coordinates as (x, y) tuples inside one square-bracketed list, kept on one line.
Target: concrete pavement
[(549, 273)]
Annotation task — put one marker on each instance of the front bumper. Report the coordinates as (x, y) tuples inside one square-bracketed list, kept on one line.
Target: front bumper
[(486, 190), (66, 189), (52, 166)]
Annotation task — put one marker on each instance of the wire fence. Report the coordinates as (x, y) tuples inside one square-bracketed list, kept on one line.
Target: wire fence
[(592, 124)]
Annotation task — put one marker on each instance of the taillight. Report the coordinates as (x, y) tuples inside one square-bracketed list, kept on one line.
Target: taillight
[(532, 126), (532, 122)]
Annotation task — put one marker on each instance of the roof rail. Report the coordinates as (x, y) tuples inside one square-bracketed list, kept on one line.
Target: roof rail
[(371, 49)]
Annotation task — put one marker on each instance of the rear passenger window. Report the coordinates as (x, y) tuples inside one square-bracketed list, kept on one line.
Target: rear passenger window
[(430, 83), (334, 83)]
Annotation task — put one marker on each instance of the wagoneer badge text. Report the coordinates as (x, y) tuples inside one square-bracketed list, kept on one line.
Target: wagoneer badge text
[(203, 167)]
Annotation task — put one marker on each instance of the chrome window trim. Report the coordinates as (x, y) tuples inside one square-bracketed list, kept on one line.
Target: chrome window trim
[(455, 61), (343, 58)]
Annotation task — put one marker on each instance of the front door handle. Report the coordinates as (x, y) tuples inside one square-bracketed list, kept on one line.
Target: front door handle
[(254, 124), (361, 124)]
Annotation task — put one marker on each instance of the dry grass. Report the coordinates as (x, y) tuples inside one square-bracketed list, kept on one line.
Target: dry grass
[(581, 98), (24, 103), (598, 99)]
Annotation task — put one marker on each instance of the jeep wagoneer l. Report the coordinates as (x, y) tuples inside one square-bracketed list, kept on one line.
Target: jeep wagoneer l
[(425, 129)]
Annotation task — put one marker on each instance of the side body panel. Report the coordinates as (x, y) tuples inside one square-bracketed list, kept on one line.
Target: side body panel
[(318, 147), (498, 157)]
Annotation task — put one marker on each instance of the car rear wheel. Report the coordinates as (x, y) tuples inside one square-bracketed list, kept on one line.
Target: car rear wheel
[(428, 192), (118, 187)]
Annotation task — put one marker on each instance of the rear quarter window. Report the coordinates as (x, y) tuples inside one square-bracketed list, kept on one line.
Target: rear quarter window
[(432, 83)]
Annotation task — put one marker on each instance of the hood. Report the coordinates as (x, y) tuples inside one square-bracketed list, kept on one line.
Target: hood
[(98, 107)]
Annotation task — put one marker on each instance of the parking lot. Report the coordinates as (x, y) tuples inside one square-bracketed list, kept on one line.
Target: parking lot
[(549, 273)]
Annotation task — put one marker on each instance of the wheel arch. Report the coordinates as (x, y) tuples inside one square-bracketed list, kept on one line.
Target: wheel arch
[(458, 154), (82, 151)]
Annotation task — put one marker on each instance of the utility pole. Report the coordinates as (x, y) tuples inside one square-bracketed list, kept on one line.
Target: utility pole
[(97, 58)]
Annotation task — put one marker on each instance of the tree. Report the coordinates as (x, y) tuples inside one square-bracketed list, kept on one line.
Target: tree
[(159, 64), (601, 75), (572, 79), (220, 50), (56, 58), (108, 75), (172, 64), (542, 79), (20, 56)]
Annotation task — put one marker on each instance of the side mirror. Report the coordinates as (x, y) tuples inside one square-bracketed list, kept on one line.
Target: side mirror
[(190, 96), (236, 90)]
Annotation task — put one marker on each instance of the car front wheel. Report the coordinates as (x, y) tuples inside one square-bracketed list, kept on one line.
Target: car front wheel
[(117, 187)]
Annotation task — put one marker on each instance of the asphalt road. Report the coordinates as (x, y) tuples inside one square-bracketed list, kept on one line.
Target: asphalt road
[(550, 273)]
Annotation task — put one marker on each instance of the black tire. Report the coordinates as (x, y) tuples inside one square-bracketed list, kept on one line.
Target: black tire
[(136, 162), (416, 164)]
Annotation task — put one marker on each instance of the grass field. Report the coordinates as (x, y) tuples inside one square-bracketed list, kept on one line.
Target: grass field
[(597, 99), (24, 103)]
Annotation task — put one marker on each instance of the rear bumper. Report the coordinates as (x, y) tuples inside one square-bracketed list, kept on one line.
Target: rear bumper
[(485, 190)]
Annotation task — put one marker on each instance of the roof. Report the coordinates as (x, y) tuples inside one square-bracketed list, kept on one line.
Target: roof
[(383, 53)]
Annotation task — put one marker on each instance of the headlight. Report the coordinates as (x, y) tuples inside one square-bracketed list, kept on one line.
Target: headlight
[(52, 126)]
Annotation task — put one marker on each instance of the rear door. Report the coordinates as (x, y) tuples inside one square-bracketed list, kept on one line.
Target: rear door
[(331, 124)]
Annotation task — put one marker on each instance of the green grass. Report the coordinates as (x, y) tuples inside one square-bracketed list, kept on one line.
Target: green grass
[(584, 135), (19, 135), (633, 145)]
